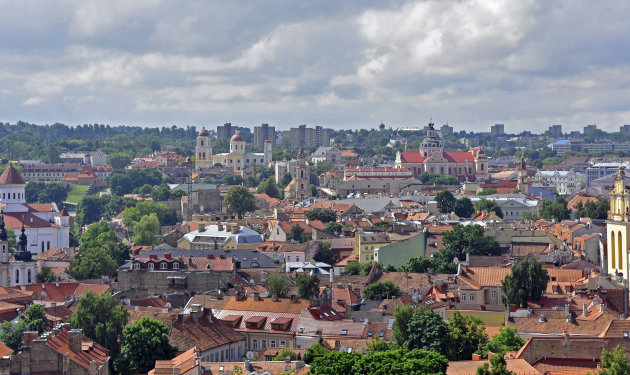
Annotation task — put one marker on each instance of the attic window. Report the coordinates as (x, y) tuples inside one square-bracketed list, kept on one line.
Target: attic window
[(370, 334), (344, 332), (220, 368), (625, 334), (553, 278), (381, 334)]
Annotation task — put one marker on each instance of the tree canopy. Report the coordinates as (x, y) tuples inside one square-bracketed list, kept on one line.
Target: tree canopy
[(325, 216), (382, 290), (470, 239), (464, 207), (445, 201), (278, 284), (489, 206), (145, 341), (528, 281), (308, 285), (324, 254), (465, 335), (239, 201), (45, 192), (268, 186)]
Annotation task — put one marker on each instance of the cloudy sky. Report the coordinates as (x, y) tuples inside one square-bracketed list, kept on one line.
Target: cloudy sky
[(528, 64)]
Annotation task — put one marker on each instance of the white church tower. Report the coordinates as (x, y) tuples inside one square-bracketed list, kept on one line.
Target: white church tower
[(203, 150), (4, 253)]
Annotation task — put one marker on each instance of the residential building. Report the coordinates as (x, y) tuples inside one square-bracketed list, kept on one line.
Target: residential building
[(431, 157), (565, 182), (555, 130), (513, 206), (264, 133), (387, 186), (326, 154), (308, 137), (599, 170), (84, 157), (225, 131), (366, 244), (266, 322), (588, 129), (378, 173), (398, 253), (48, 172), (497, 129), (220, 236), (624, 129), (61, 351)]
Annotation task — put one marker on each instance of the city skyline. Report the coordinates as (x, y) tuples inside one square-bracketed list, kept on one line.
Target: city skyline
[(470, 64)]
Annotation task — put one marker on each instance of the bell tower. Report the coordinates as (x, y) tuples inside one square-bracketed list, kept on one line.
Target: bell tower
[(522, 176), (618, 229)]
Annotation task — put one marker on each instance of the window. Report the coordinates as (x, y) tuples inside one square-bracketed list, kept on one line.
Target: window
[(273, 343), (255, 344), (463, 297), (47, 245), (176, 265), (150, 265), (493, 295), (283, 343), (263, 344), (163, 265), (28, 279), (344, 332), (136, 266)]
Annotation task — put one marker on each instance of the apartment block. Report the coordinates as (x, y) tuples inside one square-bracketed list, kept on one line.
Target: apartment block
[(308, 137), (264, 133)]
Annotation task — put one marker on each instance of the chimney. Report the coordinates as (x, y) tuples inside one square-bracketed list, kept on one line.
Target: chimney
[(75, 338), (602, 307), (235, 228), (340, 285), (274, 297), (542, 318), (256, 296), (167, 256), (584, 310), (153, 256), (29, 336), (220, 227), (176, 370), (293, 298), (202, 227), (190, 262), (92, 367)]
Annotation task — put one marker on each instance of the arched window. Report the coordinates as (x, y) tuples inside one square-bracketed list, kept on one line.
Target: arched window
[(202, 142), (302, 173), (619, 251), (43, 246), (482, 167), (28, 276), (301, 186), (47, 245), (612, 249), (17, 277)]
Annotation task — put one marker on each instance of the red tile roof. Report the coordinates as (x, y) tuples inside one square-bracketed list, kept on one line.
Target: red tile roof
[(205, 333), (91, 351), (13, 220), (11, 177)]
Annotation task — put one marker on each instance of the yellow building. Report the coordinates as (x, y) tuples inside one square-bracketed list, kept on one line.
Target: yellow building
[(618, 228), (367, 242)]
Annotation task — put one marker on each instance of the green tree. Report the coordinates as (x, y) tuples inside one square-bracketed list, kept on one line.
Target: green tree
[(12, 335), (286, 179), (278, 284), (555, 211), (315, 351), (46, 275), (286, 352), (145, 341), (471, 239), (382, 290), (487, 191), (308, 285), (92, 262), (118, 160), (401, 361), (378, 345), (333, 228), (615, 362), (89, 210), (594, 210), (443, 260), (324, 254), (144, 189), (499, 367), (445, 201), (161, 193), (101, 319), (297, 234), (528, 281), (98, 234), (239, 200), (417, 265), (464, 207), (504, 341), (36, 318), (268, 186), (400, 328), (334, 362), (355, 268), (466, 334), (325, 216), (147, 231), (488, 205), (232, 179), (427, 330), (133, 215)]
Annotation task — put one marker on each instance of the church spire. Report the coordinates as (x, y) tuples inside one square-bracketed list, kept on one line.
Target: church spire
[(23, 254), (522, 166)]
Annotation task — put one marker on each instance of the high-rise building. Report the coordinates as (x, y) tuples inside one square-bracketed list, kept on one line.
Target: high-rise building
[(589, 129), (446, 129), (555, 130), (624, 129), (264, 133), (225, 131), (497, 129), (308, 137)]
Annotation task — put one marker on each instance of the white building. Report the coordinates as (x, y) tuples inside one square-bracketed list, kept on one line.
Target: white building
[(237, 159), (566, 182), (20, 271), (513, 206), (220, 236), (45, 226)]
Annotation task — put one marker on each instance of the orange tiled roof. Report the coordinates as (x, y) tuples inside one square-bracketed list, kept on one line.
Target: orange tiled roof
[(267, 305)]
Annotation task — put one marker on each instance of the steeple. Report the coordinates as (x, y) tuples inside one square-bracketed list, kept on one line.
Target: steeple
[(522, 166), (301, 154), (23, 254)]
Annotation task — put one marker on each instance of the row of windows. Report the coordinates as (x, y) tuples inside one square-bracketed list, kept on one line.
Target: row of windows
[(263, 344), (28, 277), (8, 196), (151, 266)]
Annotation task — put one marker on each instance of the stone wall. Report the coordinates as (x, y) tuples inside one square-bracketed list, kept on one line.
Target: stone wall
[(173, 281)]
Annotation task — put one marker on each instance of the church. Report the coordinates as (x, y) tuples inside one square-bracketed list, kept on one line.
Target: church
[(299, 188), (237, 159), (431, 157), (44, 225), (618, 228)]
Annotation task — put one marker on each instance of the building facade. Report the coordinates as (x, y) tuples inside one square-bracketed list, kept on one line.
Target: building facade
[(618, 228), (237, 159), (264, 133), (299, 188), (225, 131), (308, 137)]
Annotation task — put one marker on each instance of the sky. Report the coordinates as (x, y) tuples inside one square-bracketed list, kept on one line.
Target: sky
[(339, 64)]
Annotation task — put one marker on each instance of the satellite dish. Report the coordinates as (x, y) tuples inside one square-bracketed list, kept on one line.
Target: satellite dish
[(249, 355)]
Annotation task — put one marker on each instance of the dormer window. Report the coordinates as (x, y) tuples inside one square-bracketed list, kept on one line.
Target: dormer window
[(163, 265), (175, 265), (136, 266), (151, 266)]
